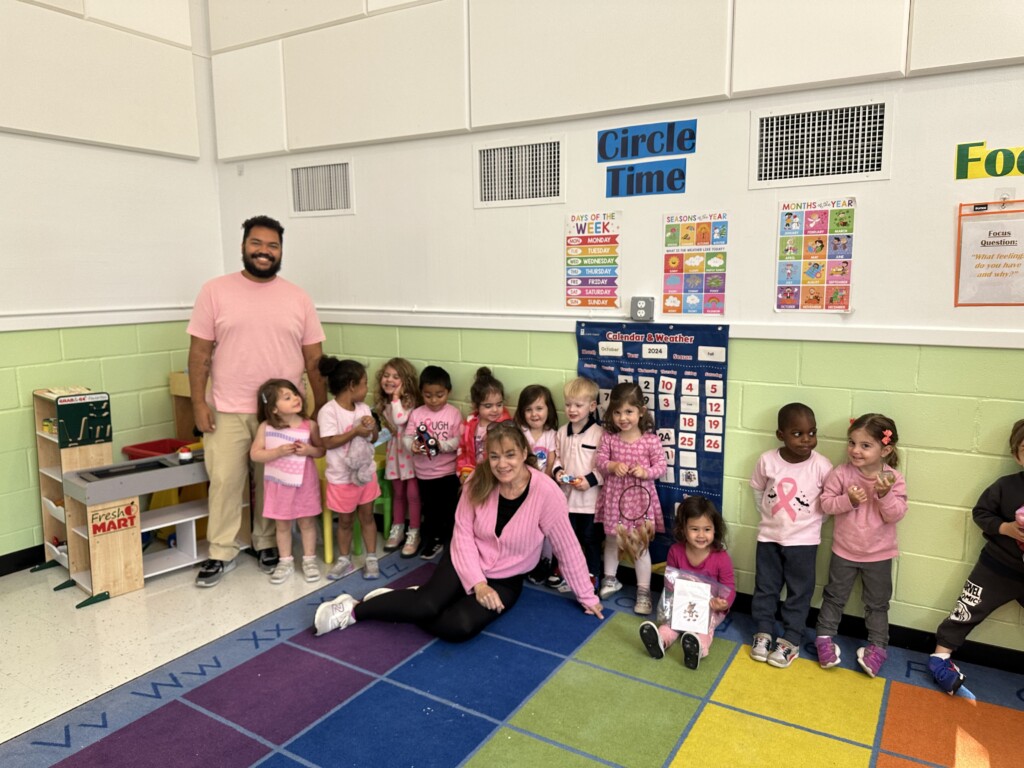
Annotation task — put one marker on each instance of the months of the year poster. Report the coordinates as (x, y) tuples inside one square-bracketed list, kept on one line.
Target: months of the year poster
[(682, 371)]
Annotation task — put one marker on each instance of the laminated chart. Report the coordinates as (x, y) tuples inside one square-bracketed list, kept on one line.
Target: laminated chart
[(694, 267), (592, 259), (682, 371), (814, 255)]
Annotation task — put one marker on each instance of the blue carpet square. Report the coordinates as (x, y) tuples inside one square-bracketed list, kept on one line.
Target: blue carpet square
[(547, 620), (416, 730), (280, 761), (486, 674)]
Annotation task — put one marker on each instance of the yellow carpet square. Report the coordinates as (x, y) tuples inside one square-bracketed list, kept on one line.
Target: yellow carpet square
[(836, 701), (725, 737)]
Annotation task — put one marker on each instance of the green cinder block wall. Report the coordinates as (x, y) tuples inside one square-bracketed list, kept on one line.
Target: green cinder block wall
[(953, 406)]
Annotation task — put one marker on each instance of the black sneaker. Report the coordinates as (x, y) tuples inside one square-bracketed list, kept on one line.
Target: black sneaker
[(212, 571), (432, 550), (268, 559), (540, 574)]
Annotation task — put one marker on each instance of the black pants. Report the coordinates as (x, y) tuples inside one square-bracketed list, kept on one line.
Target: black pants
[(438, 499), (590, 535), (777, 565), (441, 606), (986, 589)]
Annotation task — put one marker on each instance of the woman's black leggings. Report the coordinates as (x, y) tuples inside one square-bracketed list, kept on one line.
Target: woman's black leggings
[(441, 606)]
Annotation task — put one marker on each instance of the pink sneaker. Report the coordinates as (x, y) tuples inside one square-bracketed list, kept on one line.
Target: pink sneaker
[(828, 651), (871, 658)]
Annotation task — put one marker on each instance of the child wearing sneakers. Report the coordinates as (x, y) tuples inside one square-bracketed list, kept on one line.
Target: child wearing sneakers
[(397, 394), (576, 445), (998, 576), (432, 435), (867, 497), (286, 443), (787, 484), (699, 547), (348, 429)]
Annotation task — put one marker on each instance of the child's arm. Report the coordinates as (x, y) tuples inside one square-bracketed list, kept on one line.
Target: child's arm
[(259, 451), (603, 462), (656, 462), (726, 576), (834, 497), (892, 506), (315, 448), (987, 514)]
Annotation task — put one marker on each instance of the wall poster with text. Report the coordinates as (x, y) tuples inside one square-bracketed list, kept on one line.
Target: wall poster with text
[(814, 255), (694, 266), (682, 371), (592, 259)]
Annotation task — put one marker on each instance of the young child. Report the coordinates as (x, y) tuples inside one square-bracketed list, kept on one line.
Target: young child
[(286, 443), (630, 459), (997, 577), (488, 398), (699, 547), (432, 436), (576, 446), (397, 394), (867, 497), (348, 429), (536, 417), (787, 484)]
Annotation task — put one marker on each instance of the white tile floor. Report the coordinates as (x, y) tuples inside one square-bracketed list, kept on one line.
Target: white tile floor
[(57, 657)]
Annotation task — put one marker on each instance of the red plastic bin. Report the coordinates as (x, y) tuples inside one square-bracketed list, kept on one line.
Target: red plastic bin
[(153, 448)]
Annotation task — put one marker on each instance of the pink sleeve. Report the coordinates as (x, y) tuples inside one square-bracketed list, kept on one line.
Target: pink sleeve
[(834, 500), (465, 555), (200, 324), (604, 454)]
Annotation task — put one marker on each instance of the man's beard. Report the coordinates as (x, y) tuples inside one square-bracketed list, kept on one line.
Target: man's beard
[(252, 269)]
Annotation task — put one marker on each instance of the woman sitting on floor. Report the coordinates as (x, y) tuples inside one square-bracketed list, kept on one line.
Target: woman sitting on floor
[(507, 509)]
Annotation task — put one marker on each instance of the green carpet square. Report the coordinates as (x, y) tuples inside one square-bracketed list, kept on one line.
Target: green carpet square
[(606, 715), (512, 749), (617, 647)]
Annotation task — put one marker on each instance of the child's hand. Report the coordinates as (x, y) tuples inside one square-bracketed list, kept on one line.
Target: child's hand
[(638, 472), (884, 482), (857, 495), (362, 429), (719, 604), (287, 449), (368, 422), (304, 449), (1012, 530), (618, 468), (580, 484)]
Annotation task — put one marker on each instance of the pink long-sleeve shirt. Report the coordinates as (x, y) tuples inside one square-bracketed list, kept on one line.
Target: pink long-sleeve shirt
[(478, 554), (867, 533)]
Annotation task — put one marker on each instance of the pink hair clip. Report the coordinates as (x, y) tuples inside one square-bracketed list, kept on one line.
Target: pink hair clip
[(886, 437)]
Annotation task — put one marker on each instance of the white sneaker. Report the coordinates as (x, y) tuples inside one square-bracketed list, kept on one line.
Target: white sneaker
[(395, 537), (371, 568), (342, 567), (337, 614), (412, 543), (310, 570), (609, 586), (761, 646), (282, 571)]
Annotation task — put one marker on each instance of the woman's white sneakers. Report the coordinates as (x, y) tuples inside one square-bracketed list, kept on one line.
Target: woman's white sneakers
[(336, 614)]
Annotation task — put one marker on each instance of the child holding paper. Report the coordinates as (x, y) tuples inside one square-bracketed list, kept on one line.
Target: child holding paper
[(699, 549)]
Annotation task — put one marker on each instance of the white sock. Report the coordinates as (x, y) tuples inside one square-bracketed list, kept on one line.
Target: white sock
[(941, 655)]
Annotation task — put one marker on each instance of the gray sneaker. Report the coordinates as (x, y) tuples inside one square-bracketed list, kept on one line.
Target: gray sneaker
[(212, 571), (342, 567), (785, 653), (371, 568), (283, 572), (761, 646)]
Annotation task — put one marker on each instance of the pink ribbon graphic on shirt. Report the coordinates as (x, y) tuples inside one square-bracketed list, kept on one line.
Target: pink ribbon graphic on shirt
[(786, 488)]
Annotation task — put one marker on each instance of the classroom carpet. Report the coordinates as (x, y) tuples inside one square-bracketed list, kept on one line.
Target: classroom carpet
[(544, 685)]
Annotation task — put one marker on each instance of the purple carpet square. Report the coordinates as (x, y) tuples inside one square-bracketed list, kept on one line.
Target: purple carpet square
[(486, 674), (547, 620), (375, 646), (175, 734), (387, 725), (278, 693)]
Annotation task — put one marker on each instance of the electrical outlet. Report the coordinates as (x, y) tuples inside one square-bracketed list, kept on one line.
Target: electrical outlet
[(641, 308)]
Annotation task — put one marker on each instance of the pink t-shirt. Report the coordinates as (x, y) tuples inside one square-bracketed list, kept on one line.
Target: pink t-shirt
[(259, 330), (788, 497)]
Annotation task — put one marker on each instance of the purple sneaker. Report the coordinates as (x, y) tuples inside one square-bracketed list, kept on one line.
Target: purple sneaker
[(828, 652), (871, 658), (946, 674)]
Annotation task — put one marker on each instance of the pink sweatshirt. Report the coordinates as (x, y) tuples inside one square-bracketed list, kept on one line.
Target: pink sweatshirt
[(864, 534), (478, 554)]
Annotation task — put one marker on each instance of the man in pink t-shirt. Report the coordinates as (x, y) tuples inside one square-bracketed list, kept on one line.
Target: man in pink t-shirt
[(246, 327)]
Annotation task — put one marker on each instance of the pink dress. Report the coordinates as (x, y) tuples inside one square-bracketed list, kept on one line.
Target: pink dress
[(291, 486), (398, 463), (628, 500)]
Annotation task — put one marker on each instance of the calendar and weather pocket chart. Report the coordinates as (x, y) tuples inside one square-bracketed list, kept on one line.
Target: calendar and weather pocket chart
[(682, 371)]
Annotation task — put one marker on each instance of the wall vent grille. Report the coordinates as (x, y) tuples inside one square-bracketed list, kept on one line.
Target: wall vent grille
[(522, 174), (819, 146), (321, 190)]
